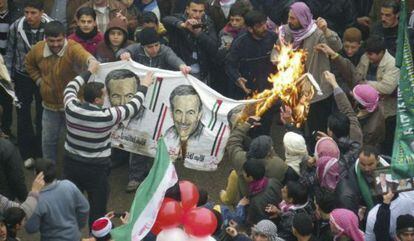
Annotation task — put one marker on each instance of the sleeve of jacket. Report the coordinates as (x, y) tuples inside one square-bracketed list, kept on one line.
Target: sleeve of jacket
[(347, 70), (82, 207), (172, 59), (80, 55), (382, 223), (171, 21), (15, 174), (389, 82), (10, 51), (31, 64), (355, 132), (131, 49), (233, 61), (235, 148), (30, 204), (5, 204), (33, 223), (333, 40), (208, 40)]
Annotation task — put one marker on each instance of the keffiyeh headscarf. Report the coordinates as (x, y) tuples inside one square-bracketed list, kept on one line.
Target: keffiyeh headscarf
[(267, 228), (327, 170), (367, 96), (295, 150), (347, 223), (326, 147), (305, 17)]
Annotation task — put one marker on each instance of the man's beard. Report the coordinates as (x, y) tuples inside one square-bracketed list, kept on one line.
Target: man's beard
[(294, 28)]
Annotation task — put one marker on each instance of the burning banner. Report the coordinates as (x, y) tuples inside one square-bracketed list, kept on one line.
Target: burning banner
[(291, 85)]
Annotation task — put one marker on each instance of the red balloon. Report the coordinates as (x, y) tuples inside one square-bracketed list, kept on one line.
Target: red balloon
[(189, 195), (169, 215), (200, 222)]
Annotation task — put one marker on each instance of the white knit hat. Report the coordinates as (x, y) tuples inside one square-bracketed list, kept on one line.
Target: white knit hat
[(101, 227)]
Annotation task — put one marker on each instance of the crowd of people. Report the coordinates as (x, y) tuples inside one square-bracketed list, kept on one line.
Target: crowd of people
[(323, 188)]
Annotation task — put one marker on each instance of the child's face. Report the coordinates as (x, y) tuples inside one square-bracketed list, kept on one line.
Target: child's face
[(86, 23), (237, 21), (116, 37), (3, 231)]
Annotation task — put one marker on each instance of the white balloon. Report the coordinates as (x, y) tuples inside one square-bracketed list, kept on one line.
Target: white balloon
[(174, 234), (208, 238)]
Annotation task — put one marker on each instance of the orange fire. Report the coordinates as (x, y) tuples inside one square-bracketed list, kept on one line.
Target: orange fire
[(290, 84)]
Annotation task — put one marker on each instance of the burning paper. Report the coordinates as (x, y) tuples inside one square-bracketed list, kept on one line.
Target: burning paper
[(291, 85)]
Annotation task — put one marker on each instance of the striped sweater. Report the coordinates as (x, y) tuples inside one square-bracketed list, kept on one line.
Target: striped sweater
[(89, 126)]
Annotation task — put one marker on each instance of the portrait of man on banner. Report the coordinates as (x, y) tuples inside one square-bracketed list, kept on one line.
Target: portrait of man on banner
[(186, 110)]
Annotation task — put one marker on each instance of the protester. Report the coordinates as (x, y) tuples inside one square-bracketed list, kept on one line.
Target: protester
[(150, 20), (193, 38), (325, 203), (302, 227), (382, 220), (304, 32), (23, 35), (88, 149), (261, 190), (353, 190), (352, 41), (261, 148), (14, 219), (86, 32), (115, 39), (148, 6), (295, 153), (62, 210), (405, 226), (66, 58), (344, 223)]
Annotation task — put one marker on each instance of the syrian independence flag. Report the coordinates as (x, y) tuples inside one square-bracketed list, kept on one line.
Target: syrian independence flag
[(402, 164), (148, 198)]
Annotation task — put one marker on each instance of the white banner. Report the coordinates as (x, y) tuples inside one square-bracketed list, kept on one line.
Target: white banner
[(191, 116)]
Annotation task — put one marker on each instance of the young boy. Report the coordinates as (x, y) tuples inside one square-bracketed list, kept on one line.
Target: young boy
[(235, 25), (86, 32), (115, 38)]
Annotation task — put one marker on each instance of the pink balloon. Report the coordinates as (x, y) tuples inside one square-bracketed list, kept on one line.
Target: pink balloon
[(200, 222)]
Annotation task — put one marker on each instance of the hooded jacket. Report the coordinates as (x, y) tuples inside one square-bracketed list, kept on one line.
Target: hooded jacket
[(165, 59), (104, 51)]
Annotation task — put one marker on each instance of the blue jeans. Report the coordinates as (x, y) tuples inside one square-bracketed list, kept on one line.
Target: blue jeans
[(52, 124)]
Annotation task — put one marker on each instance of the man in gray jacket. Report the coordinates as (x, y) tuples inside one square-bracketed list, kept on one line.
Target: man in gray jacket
[(150, 52), (62, 210)]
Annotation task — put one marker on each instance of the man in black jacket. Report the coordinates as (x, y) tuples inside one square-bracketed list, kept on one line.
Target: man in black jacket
[(193, 38)]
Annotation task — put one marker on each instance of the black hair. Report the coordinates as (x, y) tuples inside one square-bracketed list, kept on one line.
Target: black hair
[(202, 197), (182, 90), (47, 167), (239, 9), (54, 29), (339, 124), (174, 192), (303, 224), (375, 44), (120, 74), (298, 192), (149, 17), (254, 17), (34, 4), (254, 168), (92, 91), (12, 217), (391, 4), (368, 150), (87, 11), (196, 2), (325, 200)]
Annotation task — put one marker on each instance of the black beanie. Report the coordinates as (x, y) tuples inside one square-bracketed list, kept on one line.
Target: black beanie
[(260, 147), (405, 223), (148, 36)]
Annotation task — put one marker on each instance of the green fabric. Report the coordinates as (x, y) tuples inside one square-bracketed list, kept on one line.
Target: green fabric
[(402, 164), (364, 188)]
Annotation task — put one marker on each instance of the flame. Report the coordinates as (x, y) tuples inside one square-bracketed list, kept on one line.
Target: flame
[(289, 85)]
